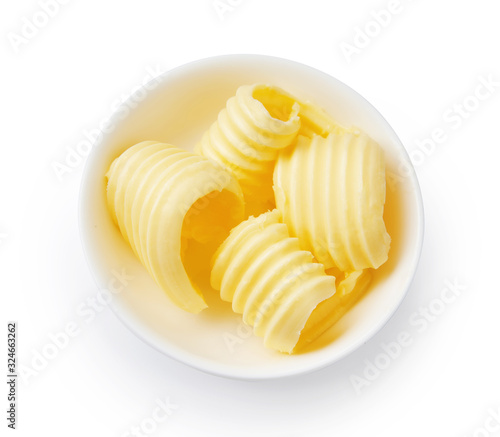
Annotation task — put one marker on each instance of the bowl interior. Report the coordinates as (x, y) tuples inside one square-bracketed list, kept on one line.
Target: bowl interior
[(177, 108)]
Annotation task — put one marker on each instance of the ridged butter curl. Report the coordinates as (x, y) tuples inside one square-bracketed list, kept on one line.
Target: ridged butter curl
[(331, 192), (269, 280), (151, 188), (255, 125)]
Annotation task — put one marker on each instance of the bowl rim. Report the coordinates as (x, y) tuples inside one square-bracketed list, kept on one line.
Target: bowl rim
[(210, 366)]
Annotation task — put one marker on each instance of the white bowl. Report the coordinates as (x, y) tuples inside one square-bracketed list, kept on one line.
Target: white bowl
[(177, 108)]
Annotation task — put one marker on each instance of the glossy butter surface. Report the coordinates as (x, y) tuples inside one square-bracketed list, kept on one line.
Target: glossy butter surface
[(269, 280), (151, 189), (331, 192), (247, 136)]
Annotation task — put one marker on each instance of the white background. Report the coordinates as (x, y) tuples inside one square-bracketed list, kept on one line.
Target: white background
[(65, 79)]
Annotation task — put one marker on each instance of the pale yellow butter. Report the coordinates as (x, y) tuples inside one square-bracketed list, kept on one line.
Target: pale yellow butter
[(153, 193), (291, 272), (268, 279), (331, 192)]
